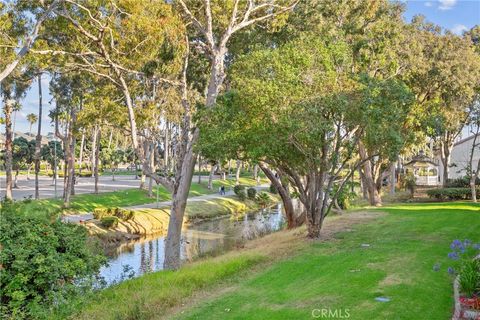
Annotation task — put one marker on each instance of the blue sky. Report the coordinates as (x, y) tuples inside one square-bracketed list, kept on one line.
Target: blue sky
[(455, 15)]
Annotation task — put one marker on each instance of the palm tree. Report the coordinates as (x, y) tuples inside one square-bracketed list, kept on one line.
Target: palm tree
[(31, 118)]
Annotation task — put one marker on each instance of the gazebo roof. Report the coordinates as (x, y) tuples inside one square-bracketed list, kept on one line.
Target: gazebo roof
[(421, 159)]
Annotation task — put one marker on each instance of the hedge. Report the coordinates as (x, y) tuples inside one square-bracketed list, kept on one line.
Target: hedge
[(123, 214), (463, 182), (451, 193), (252, 193), (109, 222)]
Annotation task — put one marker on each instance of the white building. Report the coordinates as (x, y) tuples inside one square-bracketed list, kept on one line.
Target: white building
[(460, 158)]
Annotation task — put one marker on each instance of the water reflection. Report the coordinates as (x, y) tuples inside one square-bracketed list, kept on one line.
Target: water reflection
[(206, 238)]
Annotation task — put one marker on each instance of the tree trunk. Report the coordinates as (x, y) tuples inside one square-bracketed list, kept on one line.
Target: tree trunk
[(180, 195), (166, 146), (15, 181), (255, 174), (152, 165), (473, 187), (80, 156), (38, 140), (373, 194), (217, 76), (94, 147), (210, 177), (237, 173), (8, 148), (74, 178), (110, 139), (70, 159), (363, 184), (313, 229), (199, 169), (392, 178), (445, 153), (97, 156), (285, 196)]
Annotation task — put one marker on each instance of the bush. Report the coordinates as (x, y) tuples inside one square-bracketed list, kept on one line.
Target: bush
[(109, 222), (84, 174), (469, 277), (263, 199), (345, 197), (99, 213), (239, 190), (124, 214), (463, 182), (44, 261), (272, 189), (252, 193), (410, 183), (451, 193)]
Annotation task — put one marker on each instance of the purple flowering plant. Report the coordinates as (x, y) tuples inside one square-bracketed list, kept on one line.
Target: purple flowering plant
[(465, 262), (460, 251)]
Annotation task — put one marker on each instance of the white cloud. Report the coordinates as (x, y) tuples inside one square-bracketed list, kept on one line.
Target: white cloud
[(428, 4), (459, 29), (446, 4)]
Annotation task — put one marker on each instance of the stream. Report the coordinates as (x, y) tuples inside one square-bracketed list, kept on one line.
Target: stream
[(213, 237)]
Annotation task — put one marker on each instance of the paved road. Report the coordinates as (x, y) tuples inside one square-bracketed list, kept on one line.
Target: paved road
[(26, 188)]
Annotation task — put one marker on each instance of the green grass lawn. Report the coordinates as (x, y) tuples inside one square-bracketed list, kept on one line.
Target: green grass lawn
[(84, 203), (405, 243), (404, 246)]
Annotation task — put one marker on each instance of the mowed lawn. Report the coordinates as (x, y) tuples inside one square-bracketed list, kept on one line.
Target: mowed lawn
[(343, 275)]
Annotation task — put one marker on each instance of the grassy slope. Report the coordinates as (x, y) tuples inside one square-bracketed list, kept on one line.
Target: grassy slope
[(404, 246), (87, 202), (210, 208)]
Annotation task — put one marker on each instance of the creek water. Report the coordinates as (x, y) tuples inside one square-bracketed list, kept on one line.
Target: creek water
[(212, 237)]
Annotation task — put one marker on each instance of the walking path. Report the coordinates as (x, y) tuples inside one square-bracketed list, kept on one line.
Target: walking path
[(154, 205)]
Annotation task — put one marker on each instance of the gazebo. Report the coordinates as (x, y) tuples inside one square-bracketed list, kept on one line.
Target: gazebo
[(424, 169)]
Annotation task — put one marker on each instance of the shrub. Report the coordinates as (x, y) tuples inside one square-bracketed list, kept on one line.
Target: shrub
[(124, 214), (109, 222), (272, 189), (44, 261), (469, 277), (465, 263), (263, 199), (238, 189), (99, 213), (451, 193), (463, 182), (410, 183), (345, 197), (252, 193), (242, 195)]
